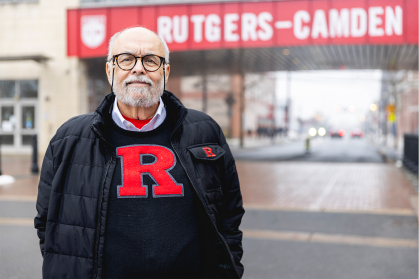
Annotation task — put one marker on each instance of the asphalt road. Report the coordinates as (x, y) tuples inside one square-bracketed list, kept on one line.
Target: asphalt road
[(264, 257), (305, 259), (321, 150)]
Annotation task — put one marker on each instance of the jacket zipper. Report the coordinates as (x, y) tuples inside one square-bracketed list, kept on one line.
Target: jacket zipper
[(99, 212), (95, 274), (203, 204)]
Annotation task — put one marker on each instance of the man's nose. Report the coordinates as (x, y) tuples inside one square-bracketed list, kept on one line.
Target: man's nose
[(138, 68)]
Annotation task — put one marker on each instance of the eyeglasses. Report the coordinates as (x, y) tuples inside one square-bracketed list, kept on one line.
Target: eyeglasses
[(127, 61)]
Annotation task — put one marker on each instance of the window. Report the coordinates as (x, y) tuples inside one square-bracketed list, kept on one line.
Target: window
[(18, 89), (28, 89), (7, 88)]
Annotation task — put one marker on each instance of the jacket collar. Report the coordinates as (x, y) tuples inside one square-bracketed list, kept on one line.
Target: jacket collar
[(104, 110)]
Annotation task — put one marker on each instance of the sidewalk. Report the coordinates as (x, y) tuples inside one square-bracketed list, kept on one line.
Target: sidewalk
[(255, 142), (308, 186), (25, 186), (395, 156), (281, 185)]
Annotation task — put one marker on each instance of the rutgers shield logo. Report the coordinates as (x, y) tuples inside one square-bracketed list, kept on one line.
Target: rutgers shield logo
[(93, 30), (134, 168)]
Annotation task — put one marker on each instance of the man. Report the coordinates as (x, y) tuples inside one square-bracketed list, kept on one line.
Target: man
[(142, 187)]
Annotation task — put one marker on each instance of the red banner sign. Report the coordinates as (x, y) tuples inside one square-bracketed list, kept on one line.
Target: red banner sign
[(250, 24)]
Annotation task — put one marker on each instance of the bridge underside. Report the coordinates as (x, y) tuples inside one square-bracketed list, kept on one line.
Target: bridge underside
[(322, 57)]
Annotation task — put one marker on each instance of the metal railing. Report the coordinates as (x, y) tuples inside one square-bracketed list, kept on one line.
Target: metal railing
[(410, 154)]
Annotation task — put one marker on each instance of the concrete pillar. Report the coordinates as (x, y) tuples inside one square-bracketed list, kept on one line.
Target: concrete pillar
[(236, 83), (173, 85)]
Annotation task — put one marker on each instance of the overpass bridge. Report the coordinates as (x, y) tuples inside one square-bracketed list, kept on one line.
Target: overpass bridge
[(263, 36), (237, 38)]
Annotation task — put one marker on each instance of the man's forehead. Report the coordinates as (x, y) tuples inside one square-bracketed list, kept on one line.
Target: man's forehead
[(137, 51), (138, 41)]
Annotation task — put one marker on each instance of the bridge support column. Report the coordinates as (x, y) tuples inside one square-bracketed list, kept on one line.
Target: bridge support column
[(173, 85), (238, 89)]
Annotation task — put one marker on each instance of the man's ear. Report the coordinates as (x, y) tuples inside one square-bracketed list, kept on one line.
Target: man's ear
[(167, 72), (109, 71)]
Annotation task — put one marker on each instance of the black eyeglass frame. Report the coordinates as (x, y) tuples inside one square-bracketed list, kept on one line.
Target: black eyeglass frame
[(162, 61), (115, 58)]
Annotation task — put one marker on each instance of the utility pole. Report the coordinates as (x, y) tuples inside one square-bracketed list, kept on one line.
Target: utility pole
[(204, 92), (0, 154), (242, 88), (242, 102), (204, 83), (287, 106), (274, 112)]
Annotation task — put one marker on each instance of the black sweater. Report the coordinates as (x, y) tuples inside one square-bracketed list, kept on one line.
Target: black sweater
[(152, 229)]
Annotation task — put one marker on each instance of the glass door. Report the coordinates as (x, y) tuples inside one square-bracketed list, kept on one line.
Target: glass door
[(8, 121), (18, 113)]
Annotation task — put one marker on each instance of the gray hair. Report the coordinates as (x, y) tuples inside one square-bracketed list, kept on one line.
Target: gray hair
[(116, 35)]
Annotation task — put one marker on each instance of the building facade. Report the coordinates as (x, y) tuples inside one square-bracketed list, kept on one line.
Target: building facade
[(41, 86), (53, 54)]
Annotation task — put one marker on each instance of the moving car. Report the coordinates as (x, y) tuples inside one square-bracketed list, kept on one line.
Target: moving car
[(357, 134), (337, 133)]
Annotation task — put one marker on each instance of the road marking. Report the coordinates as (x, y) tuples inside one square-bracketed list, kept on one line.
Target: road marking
[(287, 235), (380, 211), (17, 198), (17, 221), (331, 238)]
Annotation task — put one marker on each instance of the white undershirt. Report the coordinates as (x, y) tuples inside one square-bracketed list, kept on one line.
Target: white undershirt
[(155, 122)]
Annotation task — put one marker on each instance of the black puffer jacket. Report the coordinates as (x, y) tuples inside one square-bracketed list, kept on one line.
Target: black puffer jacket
[(74, 188)]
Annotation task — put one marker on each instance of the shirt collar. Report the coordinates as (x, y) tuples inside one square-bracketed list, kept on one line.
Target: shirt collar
[(126, 125)]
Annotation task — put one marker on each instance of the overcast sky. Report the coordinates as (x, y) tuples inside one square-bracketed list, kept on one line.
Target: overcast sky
[(322, 91)]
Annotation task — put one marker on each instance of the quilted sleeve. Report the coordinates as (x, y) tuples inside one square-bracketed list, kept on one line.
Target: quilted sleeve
[(233, 210), (44, 190)]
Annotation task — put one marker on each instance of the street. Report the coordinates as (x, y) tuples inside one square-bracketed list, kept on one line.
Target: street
[(337, 212), (321, 150), (311, 217)]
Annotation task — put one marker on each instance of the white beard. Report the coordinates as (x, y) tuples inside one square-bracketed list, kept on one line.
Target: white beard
[(145, 96)]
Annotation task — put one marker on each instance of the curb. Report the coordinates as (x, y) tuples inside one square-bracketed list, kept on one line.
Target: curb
[(413, 198)]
